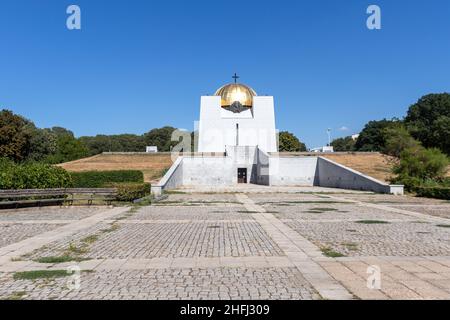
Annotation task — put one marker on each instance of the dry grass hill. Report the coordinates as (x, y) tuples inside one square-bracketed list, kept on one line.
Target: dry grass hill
[(154, 165), (373, 164)]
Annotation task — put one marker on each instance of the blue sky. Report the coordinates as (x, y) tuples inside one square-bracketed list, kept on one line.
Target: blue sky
[(136, 65)]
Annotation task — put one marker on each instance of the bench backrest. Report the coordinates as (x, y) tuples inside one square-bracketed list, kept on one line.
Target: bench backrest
[(10, 194), (94, 191)]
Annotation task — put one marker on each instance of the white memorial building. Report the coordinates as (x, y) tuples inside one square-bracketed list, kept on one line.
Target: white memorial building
[(237, 144), (236, 116)]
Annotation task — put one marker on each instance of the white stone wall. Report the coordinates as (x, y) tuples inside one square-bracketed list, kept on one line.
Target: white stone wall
[(335, 175), (293, 171), (208, 171), (267, 170)]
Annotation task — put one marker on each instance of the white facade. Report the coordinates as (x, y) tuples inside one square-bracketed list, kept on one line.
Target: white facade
[(219, 127)]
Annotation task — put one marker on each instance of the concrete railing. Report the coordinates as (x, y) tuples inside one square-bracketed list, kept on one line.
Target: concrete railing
[(335, 175), (155, 154), (171, 180)]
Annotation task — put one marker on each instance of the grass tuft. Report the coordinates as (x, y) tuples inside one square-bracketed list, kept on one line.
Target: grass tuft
[(113, 228), (59, 259), (350, 246), (287, 203), (76, 250), (40, 274), (372, 222), (328, 252), (90, 239)]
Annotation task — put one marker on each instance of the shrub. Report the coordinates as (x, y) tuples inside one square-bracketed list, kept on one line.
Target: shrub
[(418, 164), (433, 192), (343, 144), (288, 142), (397, 140), (100, 179), (446, 182), (32, 176), (131, 191)]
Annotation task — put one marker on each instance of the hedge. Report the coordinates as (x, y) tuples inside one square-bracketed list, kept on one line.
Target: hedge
[(32, 176), (433, 192), (130, 191), (101, 179)]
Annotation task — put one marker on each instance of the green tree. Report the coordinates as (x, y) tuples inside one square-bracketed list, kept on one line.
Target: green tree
[(130, 142), (397, 139), (428, 120), (161, 138), (114, 143), (68, 147), (99, 144), (14, 138), (59, 131), (372, 137), (343, 144), (288, 142), (418, 164), (43, 143)]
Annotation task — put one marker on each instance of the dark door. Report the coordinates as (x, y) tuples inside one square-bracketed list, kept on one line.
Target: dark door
[(242, 175)]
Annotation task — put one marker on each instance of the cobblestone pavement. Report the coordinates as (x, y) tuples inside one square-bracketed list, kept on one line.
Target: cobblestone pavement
[(48, 213), (442, 210), (332, 211), (186, 283), (147, 240), (386, 239), (15, 232), (308, 243), (191, 213)]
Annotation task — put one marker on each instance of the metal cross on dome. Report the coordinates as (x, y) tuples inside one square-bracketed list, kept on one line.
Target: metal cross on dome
[(235, 77)]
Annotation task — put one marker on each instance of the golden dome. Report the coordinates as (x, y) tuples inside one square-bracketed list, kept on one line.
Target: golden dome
[(236, 96)]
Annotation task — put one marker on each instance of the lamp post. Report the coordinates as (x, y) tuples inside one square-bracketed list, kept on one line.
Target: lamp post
[(329, 136)]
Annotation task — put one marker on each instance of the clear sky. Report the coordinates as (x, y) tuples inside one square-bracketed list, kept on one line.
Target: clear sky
[(136, 65)]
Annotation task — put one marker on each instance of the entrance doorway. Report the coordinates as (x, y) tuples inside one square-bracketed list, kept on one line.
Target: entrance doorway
[(242, 175)]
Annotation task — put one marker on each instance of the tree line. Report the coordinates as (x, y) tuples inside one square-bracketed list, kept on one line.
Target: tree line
[(427, 121), (22, 141), (420, 142)]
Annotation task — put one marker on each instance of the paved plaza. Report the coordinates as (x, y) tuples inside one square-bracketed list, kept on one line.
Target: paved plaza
[(249, 242)]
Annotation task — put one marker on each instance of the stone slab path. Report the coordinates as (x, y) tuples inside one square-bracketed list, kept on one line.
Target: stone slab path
[(298, 250)]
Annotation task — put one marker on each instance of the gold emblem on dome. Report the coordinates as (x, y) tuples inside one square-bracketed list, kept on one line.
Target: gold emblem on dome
[(236, 97)]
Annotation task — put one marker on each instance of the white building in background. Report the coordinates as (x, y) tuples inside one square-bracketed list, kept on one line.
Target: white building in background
[(236, 116), (324, 149), (151, 149)]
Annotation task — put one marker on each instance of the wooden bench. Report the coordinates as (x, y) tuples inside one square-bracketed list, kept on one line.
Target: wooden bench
[(30, 197), (90, 194)]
